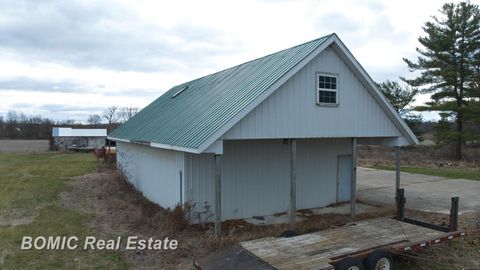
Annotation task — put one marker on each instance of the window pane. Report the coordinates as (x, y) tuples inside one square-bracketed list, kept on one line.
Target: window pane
[(327, 97), (327, 82)]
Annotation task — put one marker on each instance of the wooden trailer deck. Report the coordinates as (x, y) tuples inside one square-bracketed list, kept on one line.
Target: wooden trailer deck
[(318, 250)]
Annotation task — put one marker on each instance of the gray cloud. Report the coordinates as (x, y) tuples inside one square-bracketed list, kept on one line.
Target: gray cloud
[(99, 34), (135, 92), (353, 28), (56, 111), (338, 22), (22, 83), (57, 108)]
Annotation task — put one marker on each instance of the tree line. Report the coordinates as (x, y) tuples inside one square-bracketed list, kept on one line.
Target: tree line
[(19, 125), (448, 68)]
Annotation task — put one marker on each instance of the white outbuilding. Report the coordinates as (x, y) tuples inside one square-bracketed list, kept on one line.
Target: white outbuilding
[(64, 138), (275, 134)]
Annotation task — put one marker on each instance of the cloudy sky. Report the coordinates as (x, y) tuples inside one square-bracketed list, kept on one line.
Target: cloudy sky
[(69, 59)]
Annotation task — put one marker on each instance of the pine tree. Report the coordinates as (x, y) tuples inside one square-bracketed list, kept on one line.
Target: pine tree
[(399, 96), (449, 68)]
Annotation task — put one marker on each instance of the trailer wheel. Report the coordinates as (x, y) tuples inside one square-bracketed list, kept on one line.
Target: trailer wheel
[(379, 260), (349, 263)]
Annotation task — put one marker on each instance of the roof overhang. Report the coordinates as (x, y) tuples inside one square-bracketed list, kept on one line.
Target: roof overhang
[(385, 141), (157, 145)]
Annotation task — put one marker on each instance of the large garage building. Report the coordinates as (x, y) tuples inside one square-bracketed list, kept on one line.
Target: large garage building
[(275, 134)]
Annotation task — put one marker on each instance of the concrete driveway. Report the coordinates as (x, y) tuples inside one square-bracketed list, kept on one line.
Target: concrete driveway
[(423, 192)]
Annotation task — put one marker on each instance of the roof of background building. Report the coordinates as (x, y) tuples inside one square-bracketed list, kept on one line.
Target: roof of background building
[(78, 132)]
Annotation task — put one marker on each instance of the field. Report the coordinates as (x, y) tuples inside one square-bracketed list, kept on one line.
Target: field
[(69, 194), (30, 206), (423, 160), (23, 146), (454, 173)]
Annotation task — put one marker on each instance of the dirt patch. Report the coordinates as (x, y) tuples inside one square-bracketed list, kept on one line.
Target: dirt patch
[(18, 217), (118, 210)]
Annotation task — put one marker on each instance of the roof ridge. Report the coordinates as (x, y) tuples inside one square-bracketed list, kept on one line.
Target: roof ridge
[(256, 59)]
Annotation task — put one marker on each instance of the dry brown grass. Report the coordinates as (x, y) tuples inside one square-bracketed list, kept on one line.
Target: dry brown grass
[(425, 156), (119, 209), (461, 253)]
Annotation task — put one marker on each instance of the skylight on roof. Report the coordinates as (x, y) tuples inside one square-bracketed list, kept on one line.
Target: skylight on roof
[(180, 91)]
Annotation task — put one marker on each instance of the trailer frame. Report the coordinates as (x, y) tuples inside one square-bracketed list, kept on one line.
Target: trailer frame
[(307, 250)]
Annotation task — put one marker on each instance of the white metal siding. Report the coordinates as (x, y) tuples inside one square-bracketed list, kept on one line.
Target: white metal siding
[(199, 184), (317, 170), (291, 111), (255, 176), (153, 171)]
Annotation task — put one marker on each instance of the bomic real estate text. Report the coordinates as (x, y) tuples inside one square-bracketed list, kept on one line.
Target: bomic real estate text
[(94, 243)]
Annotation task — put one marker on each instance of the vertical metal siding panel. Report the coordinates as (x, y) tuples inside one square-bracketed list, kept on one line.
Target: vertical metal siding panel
[(346, 87), (306, 92), (200, 177), (360, 100), (317, 174), (317, 171), (180, 166), (153, 171), (291, 111), (255, 178)]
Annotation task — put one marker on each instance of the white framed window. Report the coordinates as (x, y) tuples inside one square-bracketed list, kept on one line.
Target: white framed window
[(327, 89)]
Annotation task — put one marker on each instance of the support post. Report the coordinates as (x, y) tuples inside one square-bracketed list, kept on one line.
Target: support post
[(397, 170), (218, 195), (181, 187), (454, 215), (293, 182), (400, 203), (353, 191)]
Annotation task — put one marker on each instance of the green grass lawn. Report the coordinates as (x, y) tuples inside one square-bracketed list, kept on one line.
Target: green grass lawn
[(31, 184), (447, 172)]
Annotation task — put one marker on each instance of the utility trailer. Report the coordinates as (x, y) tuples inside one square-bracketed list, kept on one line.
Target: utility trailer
[(367, 244)]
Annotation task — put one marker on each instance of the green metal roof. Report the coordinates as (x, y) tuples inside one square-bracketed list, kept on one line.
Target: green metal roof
[(202, 106)]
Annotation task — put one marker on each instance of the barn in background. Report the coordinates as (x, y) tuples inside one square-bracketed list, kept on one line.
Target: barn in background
[(65, 138), (275, 134)]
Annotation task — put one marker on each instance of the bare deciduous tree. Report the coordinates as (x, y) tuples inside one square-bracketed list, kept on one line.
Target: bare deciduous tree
[(94, 119), (127, 113), (111, 115)]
